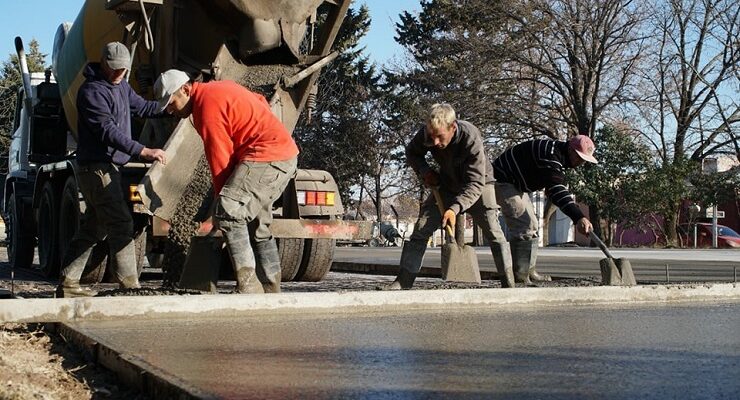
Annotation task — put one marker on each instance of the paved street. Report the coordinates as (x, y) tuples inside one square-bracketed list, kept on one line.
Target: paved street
[(649, 265), (687, 351)]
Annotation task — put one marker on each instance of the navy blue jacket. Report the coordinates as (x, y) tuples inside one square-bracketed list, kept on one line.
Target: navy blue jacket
[(104, 118)]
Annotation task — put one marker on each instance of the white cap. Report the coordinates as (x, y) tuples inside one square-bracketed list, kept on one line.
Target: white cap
[(167, 84)]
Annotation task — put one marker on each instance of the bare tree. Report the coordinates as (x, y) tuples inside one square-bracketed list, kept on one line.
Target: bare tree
[(388, 176), (571, 60), (690, 108)]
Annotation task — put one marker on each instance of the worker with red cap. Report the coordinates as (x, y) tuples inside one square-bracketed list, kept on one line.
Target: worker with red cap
[(528, 167)]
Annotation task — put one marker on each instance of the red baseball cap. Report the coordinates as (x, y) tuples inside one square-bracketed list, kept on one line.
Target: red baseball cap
[(584, 146)]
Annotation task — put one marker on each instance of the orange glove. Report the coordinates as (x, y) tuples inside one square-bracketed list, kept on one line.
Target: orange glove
[(449, 218), (431, 179)]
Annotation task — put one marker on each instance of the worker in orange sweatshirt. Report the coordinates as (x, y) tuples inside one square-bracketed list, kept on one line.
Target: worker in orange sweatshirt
[(252, 158)]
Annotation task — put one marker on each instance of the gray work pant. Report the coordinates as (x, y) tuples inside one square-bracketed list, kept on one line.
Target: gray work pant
[(484, 213), (244, 206), (106, 215), (518, 212)]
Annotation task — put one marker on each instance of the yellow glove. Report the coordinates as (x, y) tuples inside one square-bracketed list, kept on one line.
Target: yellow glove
[(449, 218)]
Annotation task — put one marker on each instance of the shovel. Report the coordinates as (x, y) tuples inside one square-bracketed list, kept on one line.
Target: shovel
[(202, 265), (614, 272), (459, 262)]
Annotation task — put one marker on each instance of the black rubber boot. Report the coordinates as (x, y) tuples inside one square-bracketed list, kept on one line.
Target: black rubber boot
[(411, 259), (521, 258), (404, 281), (268, 265), (502, 259)]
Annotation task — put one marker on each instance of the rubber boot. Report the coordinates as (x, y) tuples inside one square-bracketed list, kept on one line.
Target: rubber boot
[(268, 265), (129, 282), (521, 253), (247, 281), (535, 276), (71, 288), (502, 259), (412, 256), (404, 280), (243, 261)]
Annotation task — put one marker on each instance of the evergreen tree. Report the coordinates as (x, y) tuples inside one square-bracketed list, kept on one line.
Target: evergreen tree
[(338, 137)]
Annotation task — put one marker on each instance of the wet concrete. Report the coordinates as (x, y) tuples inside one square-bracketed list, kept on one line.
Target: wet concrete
[(192, 208), (689, 351)]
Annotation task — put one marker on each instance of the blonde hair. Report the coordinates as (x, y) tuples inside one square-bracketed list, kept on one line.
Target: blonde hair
[(441, 115)]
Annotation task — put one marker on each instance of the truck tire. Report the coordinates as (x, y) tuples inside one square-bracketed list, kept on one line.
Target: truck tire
[(317, 258), (291, 253), (20, 241), (47, 230), (69, 216)]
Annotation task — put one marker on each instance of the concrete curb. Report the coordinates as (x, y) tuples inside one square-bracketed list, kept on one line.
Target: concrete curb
[(102, 308), (131, 369)]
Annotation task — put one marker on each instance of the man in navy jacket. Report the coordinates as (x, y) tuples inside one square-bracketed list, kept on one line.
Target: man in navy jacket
[(105, 103)]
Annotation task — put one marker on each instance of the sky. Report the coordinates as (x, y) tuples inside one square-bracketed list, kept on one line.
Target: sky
[(39, 19)]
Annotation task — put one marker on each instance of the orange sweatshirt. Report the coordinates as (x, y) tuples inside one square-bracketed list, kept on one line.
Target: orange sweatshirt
[(237, 125)]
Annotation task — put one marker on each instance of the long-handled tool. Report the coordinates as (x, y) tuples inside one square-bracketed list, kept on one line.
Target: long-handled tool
[(614, 272), (459, 262)]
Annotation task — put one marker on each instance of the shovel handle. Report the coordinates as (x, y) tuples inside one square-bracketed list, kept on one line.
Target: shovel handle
[(440, 205), (601, 244)]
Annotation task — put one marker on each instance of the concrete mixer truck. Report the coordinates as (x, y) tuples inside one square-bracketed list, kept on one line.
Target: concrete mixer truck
[(274, 47)]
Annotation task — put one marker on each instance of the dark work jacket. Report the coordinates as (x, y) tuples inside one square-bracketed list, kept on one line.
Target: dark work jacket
[(104, 119), (463, 165), (536, 165)]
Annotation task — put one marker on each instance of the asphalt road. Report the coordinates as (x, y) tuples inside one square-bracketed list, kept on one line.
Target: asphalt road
[(649, 265), (666, 351)]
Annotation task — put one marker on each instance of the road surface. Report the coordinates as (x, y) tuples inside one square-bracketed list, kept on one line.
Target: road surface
[(649, 265)]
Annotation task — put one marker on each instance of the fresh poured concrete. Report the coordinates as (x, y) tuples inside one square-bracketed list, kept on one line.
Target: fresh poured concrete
[(648, 351)]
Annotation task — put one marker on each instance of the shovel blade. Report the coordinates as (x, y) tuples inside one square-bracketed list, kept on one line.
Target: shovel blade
[(617, 272), (625, 271), (202, 264), (460, 264), (610, 275)]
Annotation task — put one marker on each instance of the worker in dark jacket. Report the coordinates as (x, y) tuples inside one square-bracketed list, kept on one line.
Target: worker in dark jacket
[(531, 166), (465, 181), (105, 103)]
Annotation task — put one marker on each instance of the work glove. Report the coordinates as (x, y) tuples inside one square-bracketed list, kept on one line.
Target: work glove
[(431, 178), (449, 218)]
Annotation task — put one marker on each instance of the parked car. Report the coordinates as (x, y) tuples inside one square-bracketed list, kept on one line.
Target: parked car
[(726, 237)]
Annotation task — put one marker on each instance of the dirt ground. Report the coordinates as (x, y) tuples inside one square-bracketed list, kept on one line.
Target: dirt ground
[(36, 363)]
